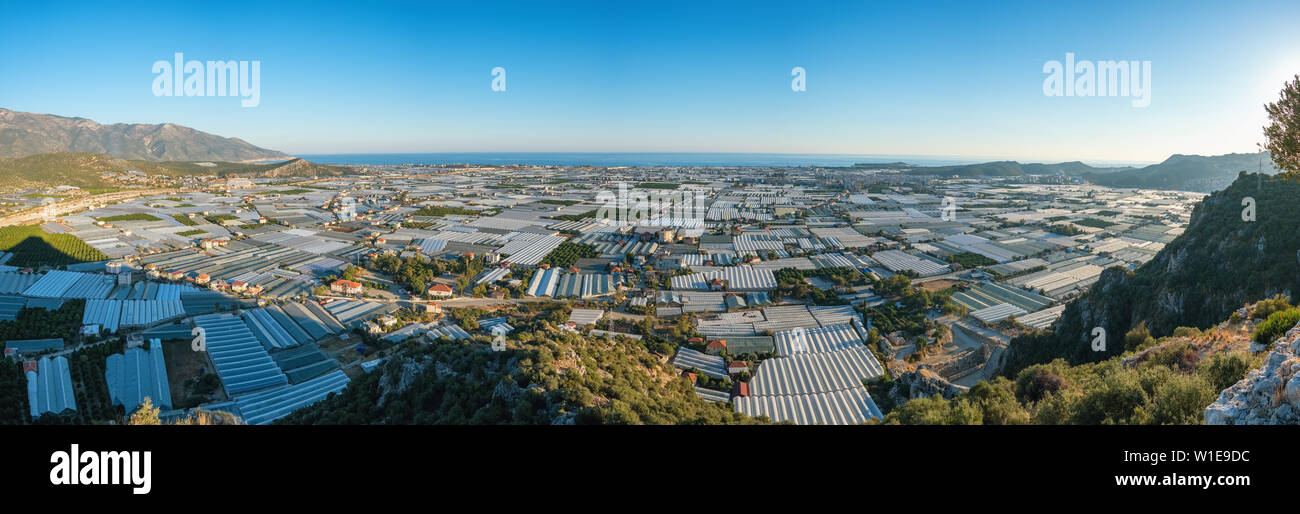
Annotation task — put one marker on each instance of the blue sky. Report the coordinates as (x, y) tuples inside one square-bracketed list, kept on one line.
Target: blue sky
[(940, 79)]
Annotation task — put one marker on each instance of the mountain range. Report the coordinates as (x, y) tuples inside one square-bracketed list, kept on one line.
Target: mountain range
[(1179, 172), (23, 134)]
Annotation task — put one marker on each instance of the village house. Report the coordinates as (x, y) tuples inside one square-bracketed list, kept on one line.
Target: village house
[(346, 287), (440, 291)]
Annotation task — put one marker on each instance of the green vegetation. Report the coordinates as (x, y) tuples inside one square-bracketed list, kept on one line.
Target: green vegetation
[(64, 322), (194, 232), (1171, 384), (546, 376), (1283, 130), (657, 185), (102, 190), (14, 409), (416, 273), (1064, 229), (971, 259), (130, 217), (33, 247), (568, 253), (906, 313), (565, 203), (793, 283), (71, 168), (184, 220), (444, 211), (217, 219), (575, 217), (1275, 326), (290, 168), (1094, 222)]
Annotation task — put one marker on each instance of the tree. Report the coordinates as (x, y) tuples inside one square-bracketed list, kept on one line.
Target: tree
[(147, 414), (350, 272), (1137, 338), (1283, 130)]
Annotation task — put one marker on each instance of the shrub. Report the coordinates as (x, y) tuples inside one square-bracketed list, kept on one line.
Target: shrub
[(1275, 326)]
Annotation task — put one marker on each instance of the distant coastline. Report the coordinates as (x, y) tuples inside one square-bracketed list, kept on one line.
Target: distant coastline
[(627, 159)]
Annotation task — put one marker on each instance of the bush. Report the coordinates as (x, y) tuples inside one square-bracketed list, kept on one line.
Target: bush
[(1275, 326), (1137, 338), (1265, 308), (1224, 369)]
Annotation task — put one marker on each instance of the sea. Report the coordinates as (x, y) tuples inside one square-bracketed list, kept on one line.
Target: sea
[(631, 159)]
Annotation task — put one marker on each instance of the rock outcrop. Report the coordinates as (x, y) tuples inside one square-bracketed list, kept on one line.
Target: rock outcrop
[(921, 383), (1267, 396)]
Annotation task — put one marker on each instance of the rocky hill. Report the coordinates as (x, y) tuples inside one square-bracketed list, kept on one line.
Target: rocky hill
[(23, 134), (1188, 172), (86, 169), (1217, 265), (555, 377), (1267, 396)]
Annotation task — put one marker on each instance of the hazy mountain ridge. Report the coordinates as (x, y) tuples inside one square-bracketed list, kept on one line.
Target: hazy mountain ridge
[(1010, 169), (1189, 172), (23, 134), (1179, 172)]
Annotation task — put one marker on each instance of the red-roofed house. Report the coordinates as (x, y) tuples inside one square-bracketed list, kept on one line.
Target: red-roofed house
[(715, 346), (740, 389), (440, 291), (346, 287), (737, 367)]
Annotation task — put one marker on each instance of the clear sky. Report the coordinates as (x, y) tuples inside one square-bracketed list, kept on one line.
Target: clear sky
[(940, 79)]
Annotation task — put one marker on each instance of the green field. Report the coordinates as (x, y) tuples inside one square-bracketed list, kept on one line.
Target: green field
[(657, 185), (568, 253), (444, 211), (575, 217), (1094, 222), (33, 247), (184, 220), (131, 217), (565, 203), (189, 233)]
